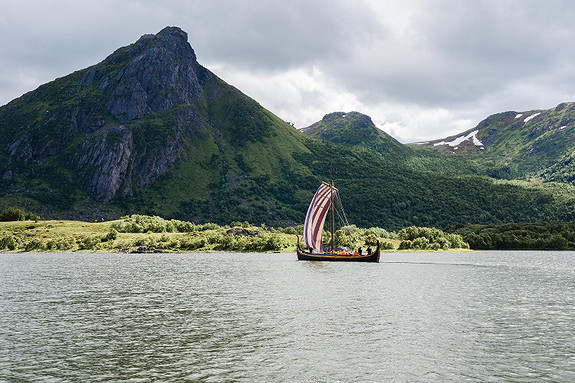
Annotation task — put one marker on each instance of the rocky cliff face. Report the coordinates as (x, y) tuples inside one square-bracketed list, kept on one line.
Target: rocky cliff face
[(119, 124), (148, 130), (155, 74)]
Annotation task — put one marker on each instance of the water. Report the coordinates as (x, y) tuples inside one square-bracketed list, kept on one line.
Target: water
[(415, 317)]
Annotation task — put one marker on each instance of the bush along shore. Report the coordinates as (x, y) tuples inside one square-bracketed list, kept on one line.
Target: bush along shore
[(521, 236), (148, 234)]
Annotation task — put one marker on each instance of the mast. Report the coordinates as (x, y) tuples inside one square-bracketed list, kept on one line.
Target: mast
[(332, 218)]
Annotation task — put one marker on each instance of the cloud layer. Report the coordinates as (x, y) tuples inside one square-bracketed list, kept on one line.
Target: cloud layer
[(421, 69)]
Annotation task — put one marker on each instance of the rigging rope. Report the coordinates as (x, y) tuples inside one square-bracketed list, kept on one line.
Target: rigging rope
[(340, 211)]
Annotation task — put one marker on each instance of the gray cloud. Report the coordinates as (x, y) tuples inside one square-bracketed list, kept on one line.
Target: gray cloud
[(421, 69), (458, 51)]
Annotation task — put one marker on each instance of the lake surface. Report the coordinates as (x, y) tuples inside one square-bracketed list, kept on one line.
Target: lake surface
[(415, 317)]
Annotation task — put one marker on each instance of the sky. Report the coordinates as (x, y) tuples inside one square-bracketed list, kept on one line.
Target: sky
[(421, 69)]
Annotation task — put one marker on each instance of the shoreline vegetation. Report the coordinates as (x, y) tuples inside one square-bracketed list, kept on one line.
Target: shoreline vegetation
[(152, 234), (22, 231)]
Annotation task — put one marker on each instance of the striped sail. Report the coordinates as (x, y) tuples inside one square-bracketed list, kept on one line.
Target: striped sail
[(315, 217)]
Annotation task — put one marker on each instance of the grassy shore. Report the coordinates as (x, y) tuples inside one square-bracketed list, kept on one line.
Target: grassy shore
[(62, 235), (145, 234)]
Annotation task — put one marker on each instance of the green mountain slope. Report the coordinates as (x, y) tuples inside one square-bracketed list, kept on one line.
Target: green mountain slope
[(427, 189), (148, 128), (511, 145), (356, 130), (150, 131)]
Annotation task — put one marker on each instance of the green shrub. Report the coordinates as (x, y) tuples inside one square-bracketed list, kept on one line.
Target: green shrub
[(36, 244), (381, 233), (341, 239), (456, 241), (386, 246), (371, 239), (144, 241), (413, 232), (299, 229), (9, 242), (350, 229), (428, 238), (433, 246), (170, 227), (420, 243), (258, 243), (173, 244), (214, 238), (406, 244), (209, 226), (192, 243), (275, 243), (13, 214), (111, 236), (183, 227), (153, 224), (289, 230), (60, 244), (91, 242)]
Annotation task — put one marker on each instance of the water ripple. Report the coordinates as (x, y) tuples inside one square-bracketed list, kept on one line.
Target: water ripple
[(488, 317)]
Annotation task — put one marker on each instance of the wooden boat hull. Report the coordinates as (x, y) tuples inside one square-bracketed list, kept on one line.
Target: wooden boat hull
[(305, 256)]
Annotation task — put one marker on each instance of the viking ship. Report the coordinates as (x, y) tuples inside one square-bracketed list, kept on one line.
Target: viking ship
[(321, 203)]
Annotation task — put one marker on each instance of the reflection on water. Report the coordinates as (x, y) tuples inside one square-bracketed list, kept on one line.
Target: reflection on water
[(493, 316)]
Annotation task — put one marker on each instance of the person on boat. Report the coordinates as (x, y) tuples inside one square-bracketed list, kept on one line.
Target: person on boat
[(356, 254), (369, 250), (360, 251)]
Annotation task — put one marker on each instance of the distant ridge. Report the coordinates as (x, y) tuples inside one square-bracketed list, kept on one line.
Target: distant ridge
[(355, 130), (518, 144)]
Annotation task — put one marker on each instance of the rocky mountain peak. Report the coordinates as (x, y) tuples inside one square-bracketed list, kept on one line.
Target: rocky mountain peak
[(126, 119), (154, 74), (171, 39), (173, 32)]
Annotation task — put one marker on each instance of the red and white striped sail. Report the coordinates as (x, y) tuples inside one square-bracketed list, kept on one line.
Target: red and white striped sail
[(315, 218)]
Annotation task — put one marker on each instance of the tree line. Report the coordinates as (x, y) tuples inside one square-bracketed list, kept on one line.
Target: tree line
[(520, 236)]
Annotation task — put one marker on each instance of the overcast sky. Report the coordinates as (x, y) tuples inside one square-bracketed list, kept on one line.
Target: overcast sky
[(422, 69)]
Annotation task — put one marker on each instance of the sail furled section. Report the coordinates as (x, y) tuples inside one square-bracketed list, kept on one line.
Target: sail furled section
[(315, 218)]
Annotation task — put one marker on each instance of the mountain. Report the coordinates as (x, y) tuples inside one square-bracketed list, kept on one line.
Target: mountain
[(518, 145), (356, 130), (451, 181), (151, 131), (147, 126)]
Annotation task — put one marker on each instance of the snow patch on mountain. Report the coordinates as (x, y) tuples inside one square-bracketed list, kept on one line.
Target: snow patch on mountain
[(527, 119), (456, 142)]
